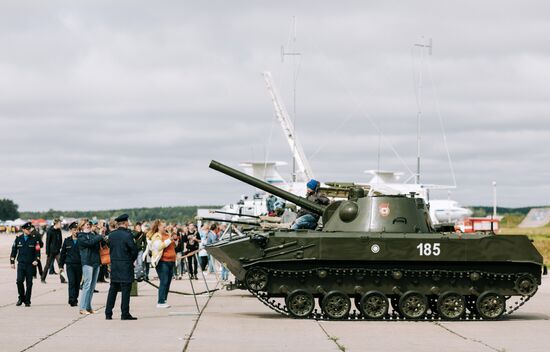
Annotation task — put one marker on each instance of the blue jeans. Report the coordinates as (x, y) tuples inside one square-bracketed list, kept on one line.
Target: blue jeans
[(89, 276), (306, 221), (211, 268), (225, 272), (165, 271)]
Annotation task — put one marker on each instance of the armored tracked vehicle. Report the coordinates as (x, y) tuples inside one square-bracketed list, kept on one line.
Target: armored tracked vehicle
[(382, 254)]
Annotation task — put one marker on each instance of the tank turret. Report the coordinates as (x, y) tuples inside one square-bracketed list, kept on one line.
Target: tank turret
[(357, 214)]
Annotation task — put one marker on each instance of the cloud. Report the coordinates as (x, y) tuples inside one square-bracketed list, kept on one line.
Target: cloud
[(123, 104)]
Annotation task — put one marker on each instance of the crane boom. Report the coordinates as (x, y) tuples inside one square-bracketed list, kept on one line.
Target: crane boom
[(303, 170)]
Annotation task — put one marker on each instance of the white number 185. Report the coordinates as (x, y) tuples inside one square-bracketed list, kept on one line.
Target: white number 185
[(427, 249)]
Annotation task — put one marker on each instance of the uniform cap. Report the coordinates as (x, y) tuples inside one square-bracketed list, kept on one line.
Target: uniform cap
[(26, 226), (122, 218), (73, 225)]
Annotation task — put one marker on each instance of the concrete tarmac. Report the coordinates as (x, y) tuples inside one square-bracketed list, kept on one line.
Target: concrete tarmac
[(236, 321)]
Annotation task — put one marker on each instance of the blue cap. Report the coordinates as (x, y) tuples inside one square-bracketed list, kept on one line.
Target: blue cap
[(312, 184)]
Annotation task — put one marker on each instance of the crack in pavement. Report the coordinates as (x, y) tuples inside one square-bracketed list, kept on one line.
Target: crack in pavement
[(42, 339), (40, 295), (190, 337), (467, 338), (332, 338)]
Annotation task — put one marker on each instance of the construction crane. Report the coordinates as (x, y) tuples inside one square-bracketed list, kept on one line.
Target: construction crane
[(302, 171)]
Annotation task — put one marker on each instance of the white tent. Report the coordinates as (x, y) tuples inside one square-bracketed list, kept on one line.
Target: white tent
[(19, 222)]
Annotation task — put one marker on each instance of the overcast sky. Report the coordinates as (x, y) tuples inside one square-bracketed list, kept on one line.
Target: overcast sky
[(123, 104)]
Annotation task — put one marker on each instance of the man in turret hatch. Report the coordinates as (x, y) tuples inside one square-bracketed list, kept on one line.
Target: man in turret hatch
[(306, 219)]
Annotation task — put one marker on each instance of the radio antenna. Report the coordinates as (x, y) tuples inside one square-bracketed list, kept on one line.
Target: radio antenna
[(294, 54), (423, 46)]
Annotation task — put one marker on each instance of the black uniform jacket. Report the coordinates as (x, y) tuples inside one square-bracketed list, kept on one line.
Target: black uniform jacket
[(70, 253), (26, 252), (140, 239), (123, 252), (38, 237), (54, 239)]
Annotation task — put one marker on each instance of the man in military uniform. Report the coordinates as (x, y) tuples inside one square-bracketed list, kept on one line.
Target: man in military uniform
[(70, 255), (123, 252), (27, 251)]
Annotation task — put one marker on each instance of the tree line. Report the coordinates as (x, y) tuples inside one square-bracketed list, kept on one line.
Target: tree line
[(172, 214)]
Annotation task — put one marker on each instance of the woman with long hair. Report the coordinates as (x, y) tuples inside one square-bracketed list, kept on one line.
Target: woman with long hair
[(164, 258), (88, 244)]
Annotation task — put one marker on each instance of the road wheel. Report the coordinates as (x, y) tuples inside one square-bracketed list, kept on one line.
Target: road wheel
[(256, 279), (336, 305), (300, 303), (451, 306), (526, 285), (413, 305), (374, 305), (491, 305)]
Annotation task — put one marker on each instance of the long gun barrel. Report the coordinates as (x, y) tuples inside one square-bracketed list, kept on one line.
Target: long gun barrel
[(236, 214), (241, 176), (230, 221)]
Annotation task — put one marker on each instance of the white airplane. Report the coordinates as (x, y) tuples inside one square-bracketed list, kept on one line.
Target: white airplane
[(444, 210)]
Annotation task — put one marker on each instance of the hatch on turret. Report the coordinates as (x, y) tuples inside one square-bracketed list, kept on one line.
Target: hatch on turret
[(380, 214)]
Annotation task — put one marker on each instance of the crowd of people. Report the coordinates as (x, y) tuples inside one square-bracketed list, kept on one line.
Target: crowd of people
[(123, 252), (172, 250)]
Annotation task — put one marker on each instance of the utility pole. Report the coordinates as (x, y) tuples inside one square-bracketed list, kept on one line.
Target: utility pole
[(494, 199), (424, 45)]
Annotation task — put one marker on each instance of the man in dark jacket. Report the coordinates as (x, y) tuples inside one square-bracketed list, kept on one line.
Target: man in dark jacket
[(306, 219), (27, 252), (54, 240), (70, 255), (38, 237), (123, 252), (141, 242)]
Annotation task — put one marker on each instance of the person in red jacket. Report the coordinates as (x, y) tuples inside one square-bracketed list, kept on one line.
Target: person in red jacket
[(162, 241)]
